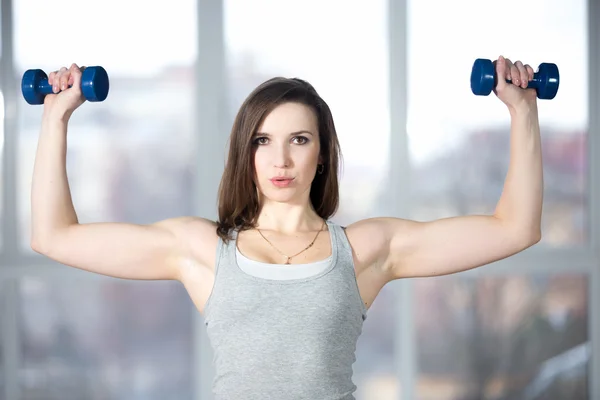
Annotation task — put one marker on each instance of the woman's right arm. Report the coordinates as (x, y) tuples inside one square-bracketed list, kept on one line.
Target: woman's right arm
[(129, 251)]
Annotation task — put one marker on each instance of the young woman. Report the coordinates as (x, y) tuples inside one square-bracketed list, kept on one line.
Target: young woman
[(284, 290)]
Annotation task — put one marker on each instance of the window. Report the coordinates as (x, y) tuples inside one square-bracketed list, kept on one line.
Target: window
[(499, 336), (341, 49), (109, 339), (130, 159), (1, 145), (3, 326), (517, 336), (1, 165), (459, 142)]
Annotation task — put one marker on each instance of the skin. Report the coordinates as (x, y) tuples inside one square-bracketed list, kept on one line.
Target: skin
[(384, 249)]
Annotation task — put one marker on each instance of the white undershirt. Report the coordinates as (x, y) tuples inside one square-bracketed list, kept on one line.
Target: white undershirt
[(280, 271)]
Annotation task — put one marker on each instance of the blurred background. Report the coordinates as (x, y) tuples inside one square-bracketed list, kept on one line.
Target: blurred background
[(416, 144)]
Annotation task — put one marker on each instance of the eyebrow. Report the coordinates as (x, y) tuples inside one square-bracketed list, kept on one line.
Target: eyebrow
[(291, 134)]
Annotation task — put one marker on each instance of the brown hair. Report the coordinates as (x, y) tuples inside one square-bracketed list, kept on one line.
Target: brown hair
[(238, 203)]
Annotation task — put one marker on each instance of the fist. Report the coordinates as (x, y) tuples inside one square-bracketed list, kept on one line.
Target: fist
[(515, 94), (66, 86)]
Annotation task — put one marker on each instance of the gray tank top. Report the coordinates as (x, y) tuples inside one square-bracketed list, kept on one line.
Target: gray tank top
[(285, 339)]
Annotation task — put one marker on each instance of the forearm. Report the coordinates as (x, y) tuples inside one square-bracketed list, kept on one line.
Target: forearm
[(51, 202), (520, 205)]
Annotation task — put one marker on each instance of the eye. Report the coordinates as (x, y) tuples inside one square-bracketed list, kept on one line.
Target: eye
[(261, 140), (301, 139)]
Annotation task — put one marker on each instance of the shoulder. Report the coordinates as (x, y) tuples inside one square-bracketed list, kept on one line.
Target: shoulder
[(198, 236), (378, 230), (371, 239), (188, 225)]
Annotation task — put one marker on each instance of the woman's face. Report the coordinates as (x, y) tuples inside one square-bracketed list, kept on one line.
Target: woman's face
[(287, 151)]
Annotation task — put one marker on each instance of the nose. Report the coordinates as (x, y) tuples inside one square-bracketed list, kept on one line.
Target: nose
[(282, 158)]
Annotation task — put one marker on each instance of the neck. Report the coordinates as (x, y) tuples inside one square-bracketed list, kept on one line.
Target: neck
[(288, 218)]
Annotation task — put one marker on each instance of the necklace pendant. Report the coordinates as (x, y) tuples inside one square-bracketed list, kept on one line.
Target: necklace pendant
[(287, 262)]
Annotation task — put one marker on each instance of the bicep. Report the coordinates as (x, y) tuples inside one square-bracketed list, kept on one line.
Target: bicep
[(450, 245), (120, 250)]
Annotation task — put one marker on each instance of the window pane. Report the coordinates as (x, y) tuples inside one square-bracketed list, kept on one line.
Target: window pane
[(1, 166), (375, 370), (346, 65), (460, 142), (130, 158), (2, 328), (513, 337), (105, 340), (1, 149)]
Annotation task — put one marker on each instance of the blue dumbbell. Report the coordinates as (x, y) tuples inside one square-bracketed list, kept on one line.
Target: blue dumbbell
[(545, 81), (94, 85)]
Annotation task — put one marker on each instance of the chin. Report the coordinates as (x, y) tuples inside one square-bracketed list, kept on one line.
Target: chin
[(284, 195), (281, 196)]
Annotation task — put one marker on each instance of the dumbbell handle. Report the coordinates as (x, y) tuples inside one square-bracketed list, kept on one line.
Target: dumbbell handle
[(534, 83), (44, 87)]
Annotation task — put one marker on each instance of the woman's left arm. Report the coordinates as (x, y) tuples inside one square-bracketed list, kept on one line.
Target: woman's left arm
[(406, 248)]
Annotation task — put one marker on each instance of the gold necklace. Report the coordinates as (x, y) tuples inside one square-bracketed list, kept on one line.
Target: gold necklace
[(288, 258)]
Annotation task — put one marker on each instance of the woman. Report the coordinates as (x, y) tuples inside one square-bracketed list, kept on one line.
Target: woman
[(284, 291)]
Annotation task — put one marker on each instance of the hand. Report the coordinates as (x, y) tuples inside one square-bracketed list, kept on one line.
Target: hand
[(515, 95), (67, 97)]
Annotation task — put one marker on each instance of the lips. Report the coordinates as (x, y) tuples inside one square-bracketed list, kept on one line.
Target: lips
[(282, 181)]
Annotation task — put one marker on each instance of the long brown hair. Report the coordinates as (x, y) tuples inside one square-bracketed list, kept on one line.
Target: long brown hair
[(238, 202)]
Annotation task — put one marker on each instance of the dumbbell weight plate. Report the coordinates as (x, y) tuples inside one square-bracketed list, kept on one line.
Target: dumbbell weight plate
[(29, 84), (94, 83), (549, 81), (482, 77)]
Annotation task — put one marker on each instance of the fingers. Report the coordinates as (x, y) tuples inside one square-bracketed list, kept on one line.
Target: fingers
[(522, 73), (518, 73), (65, 78), (509, 65), (58, 80), (530, 71), (502, 70), (51, 77), (515, 74), (76, 73)]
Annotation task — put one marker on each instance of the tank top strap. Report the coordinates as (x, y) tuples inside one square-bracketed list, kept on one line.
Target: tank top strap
[(340, 241), (225, 254)]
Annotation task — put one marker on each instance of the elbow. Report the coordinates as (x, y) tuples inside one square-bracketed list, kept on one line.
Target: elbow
[(523, 235), (49, 242), (38, 245), (41, 243), (536, 236), (530, 237)]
